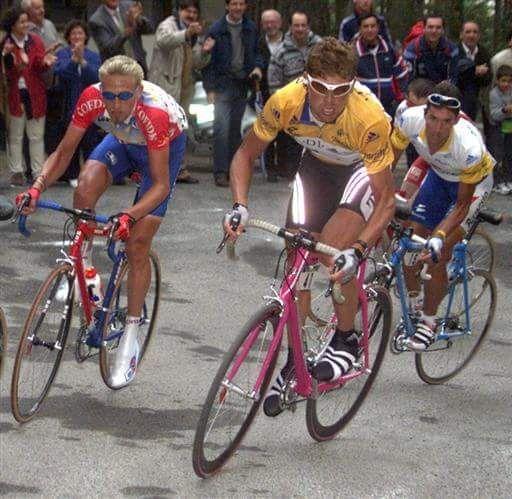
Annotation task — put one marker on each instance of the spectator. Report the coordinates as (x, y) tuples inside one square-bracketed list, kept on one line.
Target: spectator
[(117, 26), (379, 63), (504, 57), (287, 64), (416, 95), (76, 68), (176, 54), (234, 61), (24, 60), (432, 55), (474, 72), (500, 101), (40, 25), (45, 28), (349, 27), (271, 39)]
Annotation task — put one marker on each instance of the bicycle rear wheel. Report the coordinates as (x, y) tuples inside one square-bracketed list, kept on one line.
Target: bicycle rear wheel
[(116, 318), (446, 358), (42, 344), (231, 404), (332, 410), (480, 251)]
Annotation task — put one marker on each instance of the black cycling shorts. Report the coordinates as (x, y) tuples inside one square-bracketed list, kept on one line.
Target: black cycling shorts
[(321, 188)]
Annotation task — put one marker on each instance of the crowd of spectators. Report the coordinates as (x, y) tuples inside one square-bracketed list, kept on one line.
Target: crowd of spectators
[(43, 73)]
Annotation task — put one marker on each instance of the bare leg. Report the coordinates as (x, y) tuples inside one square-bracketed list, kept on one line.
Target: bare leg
[(92, 183), (342, 229), (435, 289), (139, 270)]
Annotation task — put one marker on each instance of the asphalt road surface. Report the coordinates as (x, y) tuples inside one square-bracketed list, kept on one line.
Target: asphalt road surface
[(408, 440)]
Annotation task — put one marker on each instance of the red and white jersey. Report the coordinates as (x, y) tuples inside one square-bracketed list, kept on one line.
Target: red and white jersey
[(156, 119)]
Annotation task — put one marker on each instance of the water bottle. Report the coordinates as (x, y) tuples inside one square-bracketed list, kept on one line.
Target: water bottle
[(93, 283)]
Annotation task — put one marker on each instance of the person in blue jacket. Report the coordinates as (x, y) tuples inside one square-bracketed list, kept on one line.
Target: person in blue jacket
[(234, 62), (76, 68)]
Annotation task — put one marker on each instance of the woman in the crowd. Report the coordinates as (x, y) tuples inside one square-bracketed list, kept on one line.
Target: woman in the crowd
[(23, 62), (76, 68)]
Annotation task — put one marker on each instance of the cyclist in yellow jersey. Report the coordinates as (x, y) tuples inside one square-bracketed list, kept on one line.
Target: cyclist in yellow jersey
[(457, 184), (343, 191)]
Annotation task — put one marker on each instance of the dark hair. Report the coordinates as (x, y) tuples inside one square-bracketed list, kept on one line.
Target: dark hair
[(447, 89), (185, 4), (300, 12), (366, 16), (71, 25), (421, 87), (332, 57), (503, 70), (227, 1), (468, 21), (434, 15), (11, 17)]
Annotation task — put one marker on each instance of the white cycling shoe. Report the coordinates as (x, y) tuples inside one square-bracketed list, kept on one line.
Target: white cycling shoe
[(126, 359), (423, 337)]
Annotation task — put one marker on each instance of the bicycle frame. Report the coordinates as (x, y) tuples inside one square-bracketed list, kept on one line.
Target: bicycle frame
[(457, 269), (289, 316), (85, 231)]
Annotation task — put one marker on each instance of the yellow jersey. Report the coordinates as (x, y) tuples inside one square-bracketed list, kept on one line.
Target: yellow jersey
[(360, 134)]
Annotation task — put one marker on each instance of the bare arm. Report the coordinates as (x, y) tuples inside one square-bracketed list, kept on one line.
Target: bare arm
[(159, 170), (242, 165), (58, 162), (241, 172), (459, 212)]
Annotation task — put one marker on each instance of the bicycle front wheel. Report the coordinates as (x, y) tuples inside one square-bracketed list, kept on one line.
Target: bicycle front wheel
[(447, 357), (480, 251), (232, 402), (42, 343), (116, 318), (331, 411)]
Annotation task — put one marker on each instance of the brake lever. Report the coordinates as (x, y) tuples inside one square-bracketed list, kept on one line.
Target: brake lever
[(334, 288), (16, 215), (220, 247)]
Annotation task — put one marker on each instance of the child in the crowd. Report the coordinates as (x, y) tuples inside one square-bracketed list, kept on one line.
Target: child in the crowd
[(500, 104), (416, 95)]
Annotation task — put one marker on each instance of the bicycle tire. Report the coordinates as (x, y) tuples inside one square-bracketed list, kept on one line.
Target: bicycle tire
[(427, 361), (317, 428), (118, 312), (481, 251), (202, 464), (25, 408)]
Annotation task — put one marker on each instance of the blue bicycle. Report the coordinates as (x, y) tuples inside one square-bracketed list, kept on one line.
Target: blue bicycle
[(100, 325), (465, 315)]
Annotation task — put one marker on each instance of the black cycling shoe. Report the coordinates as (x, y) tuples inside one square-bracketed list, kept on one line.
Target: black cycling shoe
[(272, 405), (338, 358)]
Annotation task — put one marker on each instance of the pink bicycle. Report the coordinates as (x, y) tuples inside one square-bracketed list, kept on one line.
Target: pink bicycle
[(247, 369)]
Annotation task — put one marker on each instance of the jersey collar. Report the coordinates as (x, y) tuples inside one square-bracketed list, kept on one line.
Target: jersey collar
[(444, 148)]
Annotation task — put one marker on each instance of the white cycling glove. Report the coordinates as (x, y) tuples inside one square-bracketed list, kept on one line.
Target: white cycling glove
[(435, 246), (348, 262), (238, 215)]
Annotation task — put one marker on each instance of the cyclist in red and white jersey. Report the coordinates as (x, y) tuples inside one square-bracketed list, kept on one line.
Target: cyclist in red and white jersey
[(144, 128)]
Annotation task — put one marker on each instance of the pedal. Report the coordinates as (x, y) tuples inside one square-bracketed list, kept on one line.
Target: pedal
[(398, 343)]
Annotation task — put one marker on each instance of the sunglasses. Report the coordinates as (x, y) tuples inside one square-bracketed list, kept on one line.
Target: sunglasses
[(124, 96), (324, 88), (441, 100)]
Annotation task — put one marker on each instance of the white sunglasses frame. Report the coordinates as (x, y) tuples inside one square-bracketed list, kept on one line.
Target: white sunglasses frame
[(330, 86)]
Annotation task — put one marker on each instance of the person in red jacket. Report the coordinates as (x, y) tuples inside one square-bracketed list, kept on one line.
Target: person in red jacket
[(23, 62)]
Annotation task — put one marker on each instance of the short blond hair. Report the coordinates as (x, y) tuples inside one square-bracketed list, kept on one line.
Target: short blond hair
[(122, 65)]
